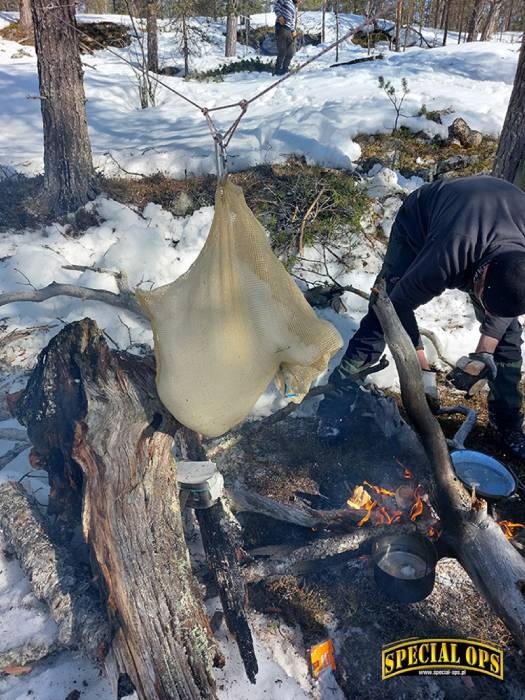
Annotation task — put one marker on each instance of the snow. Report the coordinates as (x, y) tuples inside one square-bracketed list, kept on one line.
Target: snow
[(317, 114)]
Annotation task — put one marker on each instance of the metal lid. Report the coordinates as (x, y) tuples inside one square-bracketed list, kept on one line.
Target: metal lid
[(490, 478)]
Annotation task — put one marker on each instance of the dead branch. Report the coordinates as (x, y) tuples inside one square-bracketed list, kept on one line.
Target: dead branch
[(333, 552), (123, 301), (73, 603), (13, 453), (29, 653), (300, 236), (493, 564)]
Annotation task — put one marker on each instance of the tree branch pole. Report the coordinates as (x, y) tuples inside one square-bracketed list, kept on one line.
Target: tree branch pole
[(493, 564)]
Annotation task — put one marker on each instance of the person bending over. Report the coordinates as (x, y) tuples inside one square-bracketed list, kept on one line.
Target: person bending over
[(468, 234)]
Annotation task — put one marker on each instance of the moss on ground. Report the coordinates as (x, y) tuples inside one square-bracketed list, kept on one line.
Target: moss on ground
[(327, 204), (412, 154)]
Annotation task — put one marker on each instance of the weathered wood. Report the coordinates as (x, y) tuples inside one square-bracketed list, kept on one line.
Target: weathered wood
[(220, 544), (493, 564), (56, 580), (332, 552), (217, 541), (96, 421)]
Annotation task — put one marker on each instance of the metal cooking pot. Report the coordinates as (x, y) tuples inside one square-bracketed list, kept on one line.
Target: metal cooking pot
[(404, 566)]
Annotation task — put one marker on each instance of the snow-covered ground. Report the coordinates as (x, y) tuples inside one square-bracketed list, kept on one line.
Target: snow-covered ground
[(316, 113)]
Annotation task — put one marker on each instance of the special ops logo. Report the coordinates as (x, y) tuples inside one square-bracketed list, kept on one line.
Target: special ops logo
[(455, 657)]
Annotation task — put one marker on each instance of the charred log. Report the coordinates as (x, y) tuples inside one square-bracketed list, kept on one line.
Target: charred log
[(96, 423)]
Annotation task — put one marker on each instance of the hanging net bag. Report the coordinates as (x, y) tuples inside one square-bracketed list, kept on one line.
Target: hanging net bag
[(231, 324)]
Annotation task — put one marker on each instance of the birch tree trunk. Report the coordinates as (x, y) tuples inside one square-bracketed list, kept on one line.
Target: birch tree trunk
[(26, 21)]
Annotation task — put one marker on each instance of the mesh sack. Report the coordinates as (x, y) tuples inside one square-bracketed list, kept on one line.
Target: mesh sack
[(232, 323)]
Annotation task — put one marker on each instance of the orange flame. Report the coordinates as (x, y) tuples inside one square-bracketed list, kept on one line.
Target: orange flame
[(407, 474), (417, 508), (508, 528), (379, 489), (369, 506)]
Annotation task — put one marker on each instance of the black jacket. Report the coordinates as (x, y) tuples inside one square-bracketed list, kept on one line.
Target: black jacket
[(455, 227)]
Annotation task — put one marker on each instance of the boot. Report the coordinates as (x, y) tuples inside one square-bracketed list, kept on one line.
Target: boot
[(505, 408), (338, 403), (510, 438)]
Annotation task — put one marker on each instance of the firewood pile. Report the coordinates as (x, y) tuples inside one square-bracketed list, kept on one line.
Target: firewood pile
[(97, 35)]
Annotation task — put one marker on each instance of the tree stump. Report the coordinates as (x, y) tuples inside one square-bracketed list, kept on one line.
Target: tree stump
[(97, 425)]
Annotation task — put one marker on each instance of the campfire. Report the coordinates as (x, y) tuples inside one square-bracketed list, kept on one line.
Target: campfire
[(407, 503)]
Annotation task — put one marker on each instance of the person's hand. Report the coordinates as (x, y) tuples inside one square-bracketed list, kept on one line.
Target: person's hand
[(281, 20), (471, 373), (294, 34), (430, 388)]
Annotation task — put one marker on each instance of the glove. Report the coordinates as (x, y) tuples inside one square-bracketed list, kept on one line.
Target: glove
[(431, 391), (471, 373), (281, 20)]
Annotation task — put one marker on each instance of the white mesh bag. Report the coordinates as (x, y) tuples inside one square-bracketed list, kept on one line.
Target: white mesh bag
[(232, 323)]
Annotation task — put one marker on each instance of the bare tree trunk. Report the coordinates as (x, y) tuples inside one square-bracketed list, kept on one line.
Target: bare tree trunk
[(231, 29), (153, 36), (97, 414), (399, 15), (185, 46), (26, 21), (69, 177), (337, 29), (323, 21), (446, 20), (490, 21), (474, 20), (461, 19), (510, 157)]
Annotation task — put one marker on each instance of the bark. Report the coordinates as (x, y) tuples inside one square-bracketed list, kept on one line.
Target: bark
[(399, 15), (217, 541), (153, 37), (26, 21), (69, 177), (446, 20), (231, 29), (490, 20), (97, 425), (510, 157), (474, 20), (495, 567), (73, 602)]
